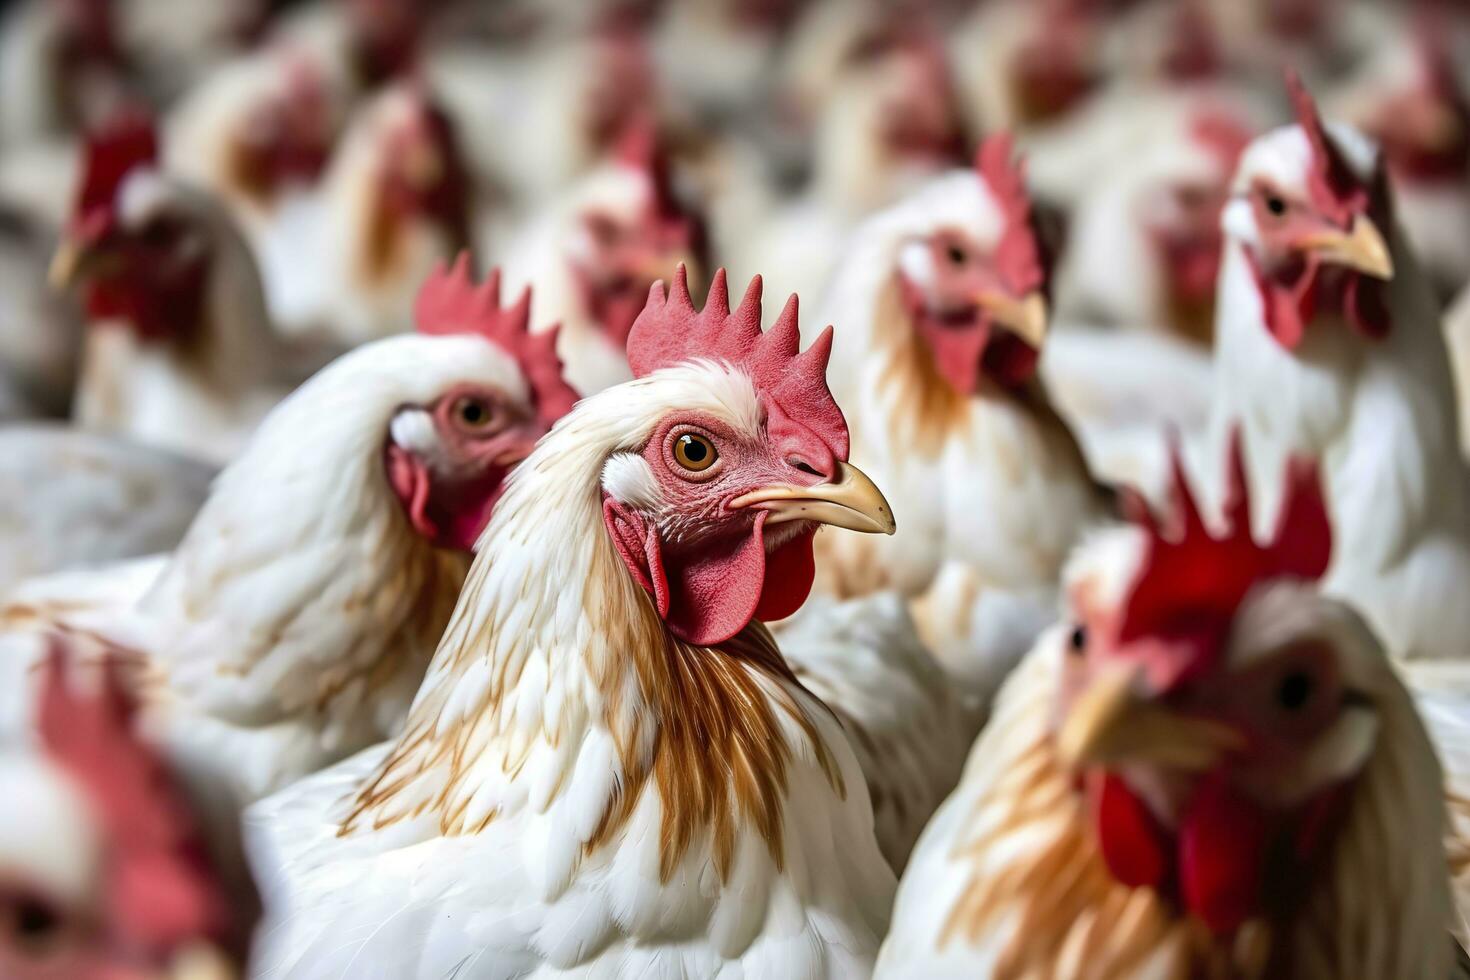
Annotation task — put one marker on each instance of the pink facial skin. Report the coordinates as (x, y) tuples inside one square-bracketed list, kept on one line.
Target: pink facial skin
[(710, 568), (151, 279), (449, 489), (1296, 285), (966, 345), (624, 261)]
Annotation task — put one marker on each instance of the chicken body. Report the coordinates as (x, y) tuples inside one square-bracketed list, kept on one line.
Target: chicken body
[(1379, 410), (991, 485)]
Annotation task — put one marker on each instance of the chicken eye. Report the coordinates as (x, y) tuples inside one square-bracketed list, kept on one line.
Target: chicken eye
[(32, 922), (694, 452), (1275, 205), (955, 254), (473, 412), (1294, 691), (1077, 642)]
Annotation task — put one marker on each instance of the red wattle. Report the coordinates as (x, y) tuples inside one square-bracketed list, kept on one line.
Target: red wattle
[(1134, 845), (957, 351), (1223, 839), (790, 571), (409, 479)]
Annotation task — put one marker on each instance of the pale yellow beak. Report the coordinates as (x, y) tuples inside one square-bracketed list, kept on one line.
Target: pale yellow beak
[(1361, 248), (1112, 723), (423, 166), (68, 265), (851, 500), (1025, 317), (201, 962)]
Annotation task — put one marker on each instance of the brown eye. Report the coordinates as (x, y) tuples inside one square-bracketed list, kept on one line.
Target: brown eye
[(694, 452), (472, 412), (956, 255), (1275, 205)]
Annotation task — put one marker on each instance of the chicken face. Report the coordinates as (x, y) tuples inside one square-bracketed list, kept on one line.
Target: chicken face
[(1055, 68), (979, 304), (286, 137), (1312, 227), (922, 122), (714, 513), (973, 321), (447, 461), (619, 250), (141, 254), (421, 176), (1215, 708)]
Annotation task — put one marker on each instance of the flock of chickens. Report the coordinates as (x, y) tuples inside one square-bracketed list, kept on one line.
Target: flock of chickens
[(428, 550)]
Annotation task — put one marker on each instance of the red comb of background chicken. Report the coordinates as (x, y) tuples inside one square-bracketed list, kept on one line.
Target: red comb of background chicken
[(792, 383), (450, 302), (161, 893), (1335, 189), (1192, 580), (640, 148), (1018, 256), (126, 142)]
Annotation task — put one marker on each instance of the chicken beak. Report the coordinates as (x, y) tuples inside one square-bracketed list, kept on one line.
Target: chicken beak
[(1361, 248), (849, 500), (201, 962), (1113, 723), (1024, 317), (69, 264)]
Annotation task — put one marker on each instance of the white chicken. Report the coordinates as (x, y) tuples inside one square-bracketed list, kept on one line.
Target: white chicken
[(942, 303), (179, 351), (40, 332), (102, 870), (278, 638), (1210, 769), (596, 251), (610, 768), (1329, 345), (62, 68), (344, 261)]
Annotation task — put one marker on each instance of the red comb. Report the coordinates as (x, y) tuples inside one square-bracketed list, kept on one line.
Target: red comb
[(450, 302), (127, 141), (1192, 581), (160, 889), (792, 383), (1335, 189), (1018, 256)]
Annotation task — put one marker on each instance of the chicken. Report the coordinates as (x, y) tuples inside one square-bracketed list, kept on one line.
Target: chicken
[(864, 660), (279, 637), (610, 769), (74, 498), (345, 261), (1208, 769), (179, 351), (1411, 101), (62, 68), (1329, 344), (258, 131), (942, 303), (1143, 248), (104, 877), (595, 253), (893, 121)]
